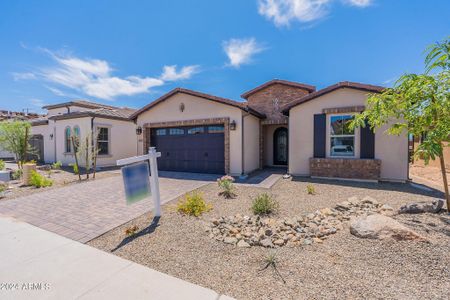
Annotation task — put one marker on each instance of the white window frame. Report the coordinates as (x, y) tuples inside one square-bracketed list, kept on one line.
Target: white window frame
[(98, 128), (331, 136)]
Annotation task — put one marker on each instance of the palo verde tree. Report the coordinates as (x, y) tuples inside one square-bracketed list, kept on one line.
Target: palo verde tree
[(15, 138), (418, 104)]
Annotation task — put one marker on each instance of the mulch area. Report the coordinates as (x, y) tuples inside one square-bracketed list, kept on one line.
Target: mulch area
[(343, 266)]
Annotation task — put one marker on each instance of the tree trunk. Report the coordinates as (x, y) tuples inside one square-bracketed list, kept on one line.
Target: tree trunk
[(444, 177), (88, 167), (25, 146)]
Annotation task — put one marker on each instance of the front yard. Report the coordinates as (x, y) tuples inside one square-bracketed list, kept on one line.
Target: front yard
[(341, 265)]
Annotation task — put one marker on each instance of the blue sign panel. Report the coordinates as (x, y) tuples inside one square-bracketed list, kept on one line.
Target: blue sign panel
[(136, 182)]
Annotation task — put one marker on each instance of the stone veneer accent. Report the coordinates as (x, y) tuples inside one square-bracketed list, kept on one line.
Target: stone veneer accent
[(345, 168), (263, 101), (347, 109), (212, 121)]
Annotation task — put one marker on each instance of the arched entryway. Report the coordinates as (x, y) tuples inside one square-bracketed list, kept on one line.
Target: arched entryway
[(280, 146)]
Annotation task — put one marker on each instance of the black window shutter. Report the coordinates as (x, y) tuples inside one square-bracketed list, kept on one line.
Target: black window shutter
[(367, 142), (320, 121)]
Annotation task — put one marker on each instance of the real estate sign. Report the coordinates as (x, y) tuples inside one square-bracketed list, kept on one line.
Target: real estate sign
[(136, 181)]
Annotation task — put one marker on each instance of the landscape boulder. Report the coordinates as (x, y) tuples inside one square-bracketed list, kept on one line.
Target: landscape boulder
[(382, 227), (421, 207)]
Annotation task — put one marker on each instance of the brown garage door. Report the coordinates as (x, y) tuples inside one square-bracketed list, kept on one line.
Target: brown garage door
[(198, 149)]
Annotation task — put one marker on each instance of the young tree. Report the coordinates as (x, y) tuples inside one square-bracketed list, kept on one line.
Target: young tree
[(418, 104), (15, 138)]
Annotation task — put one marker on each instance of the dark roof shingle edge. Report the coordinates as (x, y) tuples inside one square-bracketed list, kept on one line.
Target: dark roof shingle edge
[(309, 88), (226, 101), (82, 114), (331, 88), (80, 103)]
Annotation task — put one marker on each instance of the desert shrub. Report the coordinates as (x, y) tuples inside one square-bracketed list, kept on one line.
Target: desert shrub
[(226, 184), (37, 180), (57, 165), (271, 260), (130, 231), (75, 168), (2, 165), (264, 204), (31, 162), (16, 174), (310, 189), (3, 187), (193, 204)]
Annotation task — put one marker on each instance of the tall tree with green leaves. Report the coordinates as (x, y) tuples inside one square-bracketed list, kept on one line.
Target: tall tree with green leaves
[(15, 138), (418, 104)]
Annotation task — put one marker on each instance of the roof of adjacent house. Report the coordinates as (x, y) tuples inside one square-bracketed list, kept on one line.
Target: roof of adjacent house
[(80, 103), (226, 101), (117, 113), (309, 88), (15, 115), (331, 88)]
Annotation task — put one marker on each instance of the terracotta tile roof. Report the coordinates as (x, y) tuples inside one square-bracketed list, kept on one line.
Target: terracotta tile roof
[(307, 87), (14, 115), (331, 88), (241, 105)]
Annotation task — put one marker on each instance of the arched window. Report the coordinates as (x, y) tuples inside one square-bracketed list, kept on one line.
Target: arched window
[(76, 135), (67, 139)]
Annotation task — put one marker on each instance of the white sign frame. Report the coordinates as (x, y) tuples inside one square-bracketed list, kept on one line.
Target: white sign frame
[(154, 178)]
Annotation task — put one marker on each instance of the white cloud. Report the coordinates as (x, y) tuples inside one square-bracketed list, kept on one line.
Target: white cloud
[(170, 72), (241, 51), (359, 3), (37, 102), (283, 12), (23, 76), (94, 77)]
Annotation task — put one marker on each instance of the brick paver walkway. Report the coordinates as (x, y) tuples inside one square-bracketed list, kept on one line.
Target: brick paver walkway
[(85, 211)]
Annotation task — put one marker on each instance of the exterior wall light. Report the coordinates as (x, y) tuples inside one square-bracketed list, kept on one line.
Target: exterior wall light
[(51, 136), (139, 130), (233, 125)]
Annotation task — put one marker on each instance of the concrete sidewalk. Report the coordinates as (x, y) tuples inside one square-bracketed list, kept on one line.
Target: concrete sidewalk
[(37, 264)]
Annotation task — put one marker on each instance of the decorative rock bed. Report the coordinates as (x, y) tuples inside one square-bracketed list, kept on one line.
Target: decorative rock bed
[(248, 231)]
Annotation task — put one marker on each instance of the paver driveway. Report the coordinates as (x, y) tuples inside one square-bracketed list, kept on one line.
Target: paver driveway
[(84, 211)]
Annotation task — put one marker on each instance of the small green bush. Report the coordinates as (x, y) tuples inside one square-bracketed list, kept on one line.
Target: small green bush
[(2, 165), (57, 165), (226, 184), (310, 189), (264, 204), (16, 174), (3, 187), (193, 205), (37, 180), (75, 168)]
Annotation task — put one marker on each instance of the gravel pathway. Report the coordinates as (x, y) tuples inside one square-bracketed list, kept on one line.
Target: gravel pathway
[(342, 267)]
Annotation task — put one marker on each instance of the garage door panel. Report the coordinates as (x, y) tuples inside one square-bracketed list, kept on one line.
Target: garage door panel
[(201, 152)]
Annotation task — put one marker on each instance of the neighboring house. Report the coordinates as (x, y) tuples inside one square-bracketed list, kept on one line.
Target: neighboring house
[(111, 127), (281, 124), (6, 115)]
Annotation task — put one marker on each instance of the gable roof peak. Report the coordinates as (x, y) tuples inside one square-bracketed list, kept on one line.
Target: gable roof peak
[(309, 88)]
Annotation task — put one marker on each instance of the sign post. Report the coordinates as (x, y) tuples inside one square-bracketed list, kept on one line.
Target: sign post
[(132, 187)]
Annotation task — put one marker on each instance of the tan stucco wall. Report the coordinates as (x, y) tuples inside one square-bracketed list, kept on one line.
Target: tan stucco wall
[(268, 143), (392, 150), (123, 141), (251, 143), (49, 144), (63, 110), (198, 108)]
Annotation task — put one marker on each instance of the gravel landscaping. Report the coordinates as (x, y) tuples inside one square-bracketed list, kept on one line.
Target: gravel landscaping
[(342, 266)]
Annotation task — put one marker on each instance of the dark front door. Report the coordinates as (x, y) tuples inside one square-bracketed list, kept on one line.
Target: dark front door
[(280, 146), (198, 149)]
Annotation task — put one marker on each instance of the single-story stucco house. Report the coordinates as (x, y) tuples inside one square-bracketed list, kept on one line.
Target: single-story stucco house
[(280, 123)]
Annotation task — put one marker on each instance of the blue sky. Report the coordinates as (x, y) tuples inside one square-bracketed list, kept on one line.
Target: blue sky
[(128, 53)]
